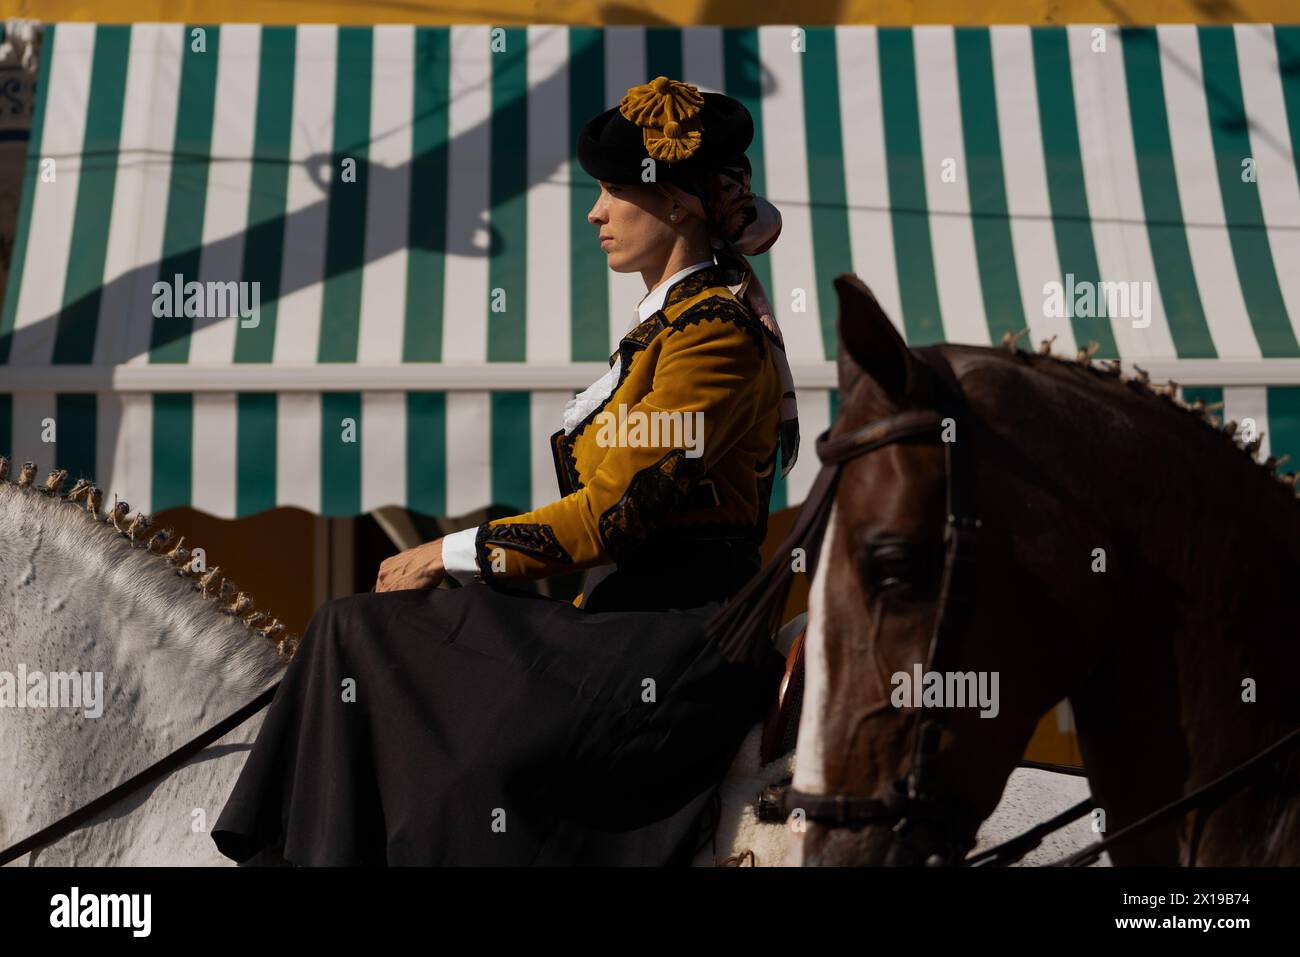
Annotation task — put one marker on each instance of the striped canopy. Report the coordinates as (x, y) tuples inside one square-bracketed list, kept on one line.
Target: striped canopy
[(432, 294)]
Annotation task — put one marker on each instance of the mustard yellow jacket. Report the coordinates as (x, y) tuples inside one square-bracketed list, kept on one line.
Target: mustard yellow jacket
[(683, 449)]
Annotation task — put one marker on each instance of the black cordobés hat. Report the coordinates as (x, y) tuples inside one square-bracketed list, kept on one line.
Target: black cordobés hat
[(684, 131)]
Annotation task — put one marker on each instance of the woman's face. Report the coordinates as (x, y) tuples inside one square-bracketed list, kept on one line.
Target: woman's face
[(633, 227)]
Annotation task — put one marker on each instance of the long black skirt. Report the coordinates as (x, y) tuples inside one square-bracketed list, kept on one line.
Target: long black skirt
[(487, 726)]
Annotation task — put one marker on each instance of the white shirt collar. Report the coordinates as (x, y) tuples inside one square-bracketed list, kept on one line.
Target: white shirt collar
[(654, 299)]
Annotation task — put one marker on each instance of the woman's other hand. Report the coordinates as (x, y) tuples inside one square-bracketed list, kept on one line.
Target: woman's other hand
[(419, 567)]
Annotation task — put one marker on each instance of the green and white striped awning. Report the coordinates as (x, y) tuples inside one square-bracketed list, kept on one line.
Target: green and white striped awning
[(423, 323)]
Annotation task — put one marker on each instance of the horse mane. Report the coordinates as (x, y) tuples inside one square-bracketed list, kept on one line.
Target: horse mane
[(166, 552), (1139, 388), (751, 616)]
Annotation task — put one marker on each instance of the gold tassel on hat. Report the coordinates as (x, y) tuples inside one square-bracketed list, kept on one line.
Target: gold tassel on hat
[(668, 111)]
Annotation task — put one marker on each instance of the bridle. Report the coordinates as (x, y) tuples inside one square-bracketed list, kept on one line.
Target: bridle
[(944, 832), (907, 804)]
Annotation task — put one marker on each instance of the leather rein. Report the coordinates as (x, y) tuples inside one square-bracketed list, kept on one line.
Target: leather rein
[(906, 805), (163, 766)]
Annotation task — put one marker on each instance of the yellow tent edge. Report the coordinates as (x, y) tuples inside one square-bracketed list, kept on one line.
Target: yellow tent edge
[(667, 13)]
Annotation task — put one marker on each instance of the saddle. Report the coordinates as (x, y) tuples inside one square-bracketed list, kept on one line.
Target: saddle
[(781, 728)]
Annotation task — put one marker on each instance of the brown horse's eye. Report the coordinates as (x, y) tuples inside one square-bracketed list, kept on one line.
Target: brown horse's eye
[(890, 565)]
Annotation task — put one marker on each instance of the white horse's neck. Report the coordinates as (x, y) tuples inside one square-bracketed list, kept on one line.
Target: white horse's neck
[(78, 600)]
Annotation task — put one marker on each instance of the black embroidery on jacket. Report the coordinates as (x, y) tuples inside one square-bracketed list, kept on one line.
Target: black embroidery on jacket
[(725, 309), (650, 496), (528, 537), (480, 553), (697, 282), (566, 469), (629, 345), (640, 335), (716, 307)]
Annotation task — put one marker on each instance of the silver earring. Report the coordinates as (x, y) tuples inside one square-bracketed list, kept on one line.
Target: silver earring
[(673, 217)]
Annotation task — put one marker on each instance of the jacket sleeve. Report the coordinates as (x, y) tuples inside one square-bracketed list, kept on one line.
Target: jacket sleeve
[(709, 369)]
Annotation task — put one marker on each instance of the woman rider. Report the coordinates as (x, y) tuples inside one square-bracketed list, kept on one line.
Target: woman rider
[(489, 725)]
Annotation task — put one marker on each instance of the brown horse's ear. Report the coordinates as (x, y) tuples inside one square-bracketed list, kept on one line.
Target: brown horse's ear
[(869, 343)]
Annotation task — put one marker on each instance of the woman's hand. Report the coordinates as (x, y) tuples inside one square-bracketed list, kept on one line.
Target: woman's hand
[(419, 567)]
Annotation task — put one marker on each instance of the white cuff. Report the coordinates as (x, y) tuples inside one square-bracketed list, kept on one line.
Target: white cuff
[(459, 557)]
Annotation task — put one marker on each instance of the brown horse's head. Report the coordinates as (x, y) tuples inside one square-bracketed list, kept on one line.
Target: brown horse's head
[(872, 614)]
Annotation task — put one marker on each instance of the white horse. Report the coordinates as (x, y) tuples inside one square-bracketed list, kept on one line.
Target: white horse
[(117, 646), (83, 610)]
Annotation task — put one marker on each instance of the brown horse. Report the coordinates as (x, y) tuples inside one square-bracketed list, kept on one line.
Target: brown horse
[(1131, 558)]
